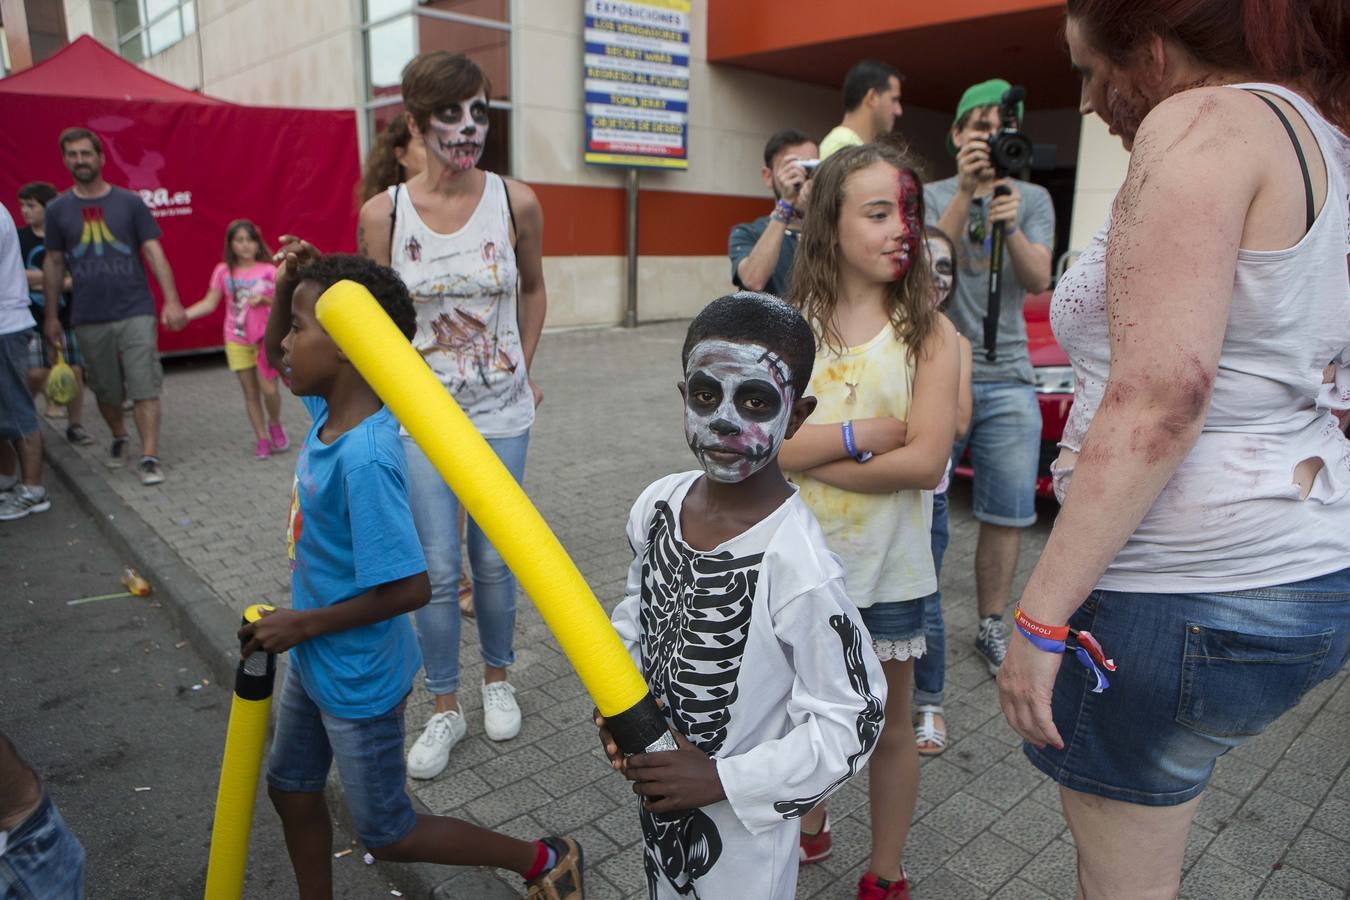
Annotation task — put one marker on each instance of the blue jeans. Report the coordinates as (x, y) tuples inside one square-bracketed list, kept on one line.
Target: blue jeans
[(1198, 674), (44, 861), (369, 754), (1005, 449), (929, 669), (435, 510)]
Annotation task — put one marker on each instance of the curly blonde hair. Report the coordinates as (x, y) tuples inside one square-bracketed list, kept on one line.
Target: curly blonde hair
[(815, 270)]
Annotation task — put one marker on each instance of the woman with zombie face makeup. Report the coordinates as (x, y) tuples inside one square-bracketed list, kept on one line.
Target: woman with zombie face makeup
[(467, 243), (885, 378), (1205, 526)]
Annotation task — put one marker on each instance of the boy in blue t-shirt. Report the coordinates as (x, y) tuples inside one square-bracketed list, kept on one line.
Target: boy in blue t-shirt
[(356, 571)]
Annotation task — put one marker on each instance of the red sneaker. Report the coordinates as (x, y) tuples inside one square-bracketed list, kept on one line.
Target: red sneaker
[(815, 848), (869, 888)]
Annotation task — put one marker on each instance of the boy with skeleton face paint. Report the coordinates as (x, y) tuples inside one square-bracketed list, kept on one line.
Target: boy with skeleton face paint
[(737, 615), (738, 401)]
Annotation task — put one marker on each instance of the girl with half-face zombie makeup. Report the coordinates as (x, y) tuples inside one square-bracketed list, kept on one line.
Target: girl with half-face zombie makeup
[(885, 376), (1204, 530), (467, 243)]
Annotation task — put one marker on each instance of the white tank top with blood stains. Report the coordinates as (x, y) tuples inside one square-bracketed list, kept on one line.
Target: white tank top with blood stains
[(463, 287), (1231, 517)]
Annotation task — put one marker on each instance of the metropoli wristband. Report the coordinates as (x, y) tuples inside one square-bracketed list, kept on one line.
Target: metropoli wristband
[(851, 446), (1063, 639), (782, 212)]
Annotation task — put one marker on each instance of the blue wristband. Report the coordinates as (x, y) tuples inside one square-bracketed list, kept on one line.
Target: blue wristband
[(851, 446)]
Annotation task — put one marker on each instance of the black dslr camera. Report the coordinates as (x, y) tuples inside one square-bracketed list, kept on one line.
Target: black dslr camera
[(1010, 151)]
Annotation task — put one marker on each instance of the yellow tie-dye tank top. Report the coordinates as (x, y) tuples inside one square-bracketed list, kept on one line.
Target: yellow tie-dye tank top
[(883, 539)]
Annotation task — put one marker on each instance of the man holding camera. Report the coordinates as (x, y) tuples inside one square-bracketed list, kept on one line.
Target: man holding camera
[(1005, 425), (761, 251)]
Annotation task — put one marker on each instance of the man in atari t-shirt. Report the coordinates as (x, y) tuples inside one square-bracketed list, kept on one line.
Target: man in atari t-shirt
[(99, 232)]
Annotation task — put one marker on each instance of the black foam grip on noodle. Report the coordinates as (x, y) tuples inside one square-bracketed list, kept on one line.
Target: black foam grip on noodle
[(638, 727)]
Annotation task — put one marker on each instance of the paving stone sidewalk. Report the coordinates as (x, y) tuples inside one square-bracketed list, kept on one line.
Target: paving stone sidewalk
[(1276, 823)]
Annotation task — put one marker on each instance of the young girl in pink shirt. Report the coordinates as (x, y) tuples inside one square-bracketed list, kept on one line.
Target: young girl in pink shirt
[(248, 281)]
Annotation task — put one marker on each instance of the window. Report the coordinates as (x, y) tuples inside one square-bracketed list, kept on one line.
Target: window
[(147, 27), (397, 30)]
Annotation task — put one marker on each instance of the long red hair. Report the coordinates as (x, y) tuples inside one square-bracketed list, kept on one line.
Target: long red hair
[(1303, 45)]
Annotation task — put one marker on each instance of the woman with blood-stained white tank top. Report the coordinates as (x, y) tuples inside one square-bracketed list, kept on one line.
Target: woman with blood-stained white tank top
[(1197, 582), (467, 244), (464, 290)]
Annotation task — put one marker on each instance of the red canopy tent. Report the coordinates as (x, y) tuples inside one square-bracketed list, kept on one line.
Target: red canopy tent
[(197, 161)]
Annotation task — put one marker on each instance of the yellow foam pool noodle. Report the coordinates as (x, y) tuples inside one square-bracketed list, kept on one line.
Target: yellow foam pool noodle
[(239, 770), (402, 379)]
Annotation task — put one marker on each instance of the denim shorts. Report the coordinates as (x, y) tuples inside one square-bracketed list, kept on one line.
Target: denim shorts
[(901, 620), (369, 754), (1005, 449), (1197, 675), (43, 860), (18, 416)]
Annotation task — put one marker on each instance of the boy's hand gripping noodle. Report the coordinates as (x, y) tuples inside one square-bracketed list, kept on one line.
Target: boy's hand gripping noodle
[(1063, 639), (402, 379), (239, 770)]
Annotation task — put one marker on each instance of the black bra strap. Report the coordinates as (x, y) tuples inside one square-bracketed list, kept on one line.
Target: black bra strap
[(1302, 160)]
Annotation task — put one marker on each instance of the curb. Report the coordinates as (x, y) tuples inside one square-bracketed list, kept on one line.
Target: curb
[(210, 626)]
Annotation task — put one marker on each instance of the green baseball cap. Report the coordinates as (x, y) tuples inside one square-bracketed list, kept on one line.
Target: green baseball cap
[(986, 93)]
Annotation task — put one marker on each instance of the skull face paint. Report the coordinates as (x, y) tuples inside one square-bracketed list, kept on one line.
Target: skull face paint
[(455, 134), (738, 400), (944, 268), (908, 202)]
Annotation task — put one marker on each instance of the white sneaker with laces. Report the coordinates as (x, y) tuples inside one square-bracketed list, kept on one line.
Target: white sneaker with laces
[(23, 501), (430, 755), (501, 713)]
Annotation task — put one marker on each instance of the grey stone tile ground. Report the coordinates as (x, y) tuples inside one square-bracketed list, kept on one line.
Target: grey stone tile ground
[(1277, 823)]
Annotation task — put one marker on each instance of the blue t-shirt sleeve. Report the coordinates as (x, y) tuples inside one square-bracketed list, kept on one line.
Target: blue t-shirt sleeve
[(384, 540), (1038, 215), (147, 229)]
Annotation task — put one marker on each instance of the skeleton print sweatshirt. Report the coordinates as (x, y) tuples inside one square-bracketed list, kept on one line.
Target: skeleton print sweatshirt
[(762, 663)]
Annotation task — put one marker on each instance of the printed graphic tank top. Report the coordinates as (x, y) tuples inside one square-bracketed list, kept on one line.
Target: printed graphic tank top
[(463, 287)]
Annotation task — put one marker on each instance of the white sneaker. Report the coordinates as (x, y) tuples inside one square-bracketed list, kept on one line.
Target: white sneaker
[(501, 713), (429, 756), (23, 501)]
